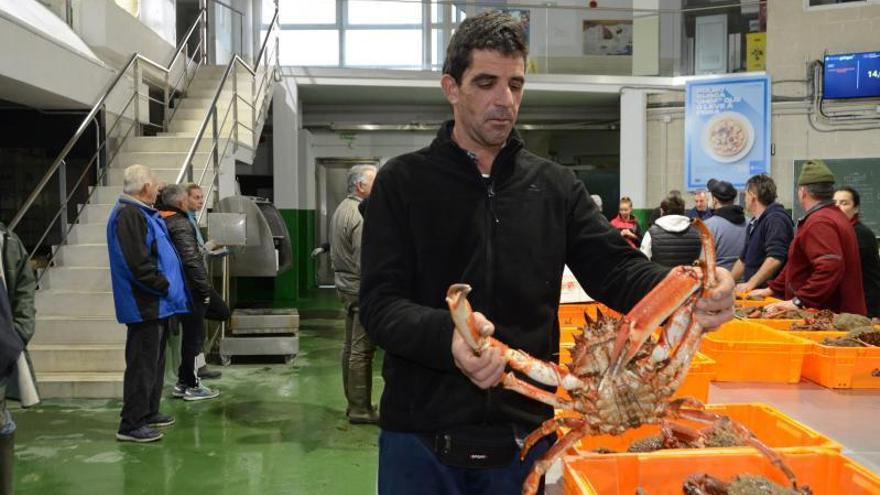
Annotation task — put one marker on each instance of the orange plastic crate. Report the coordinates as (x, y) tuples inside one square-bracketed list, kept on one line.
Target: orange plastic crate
[(779, 324), (749, 303), (772, 426), (751, 352), (695, 384), (826, 472), (840, 367), (572, 315)]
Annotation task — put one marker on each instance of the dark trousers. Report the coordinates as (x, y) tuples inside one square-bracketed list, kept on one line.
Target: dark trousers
[(144, 373), (407, 465), (193, 327)]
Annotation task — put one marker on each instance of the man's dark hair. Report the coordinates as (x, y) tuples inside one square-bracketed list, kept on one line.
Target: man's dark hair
[(763, 187), (856, 198), (672, 205), (821, 191), (491, 30)]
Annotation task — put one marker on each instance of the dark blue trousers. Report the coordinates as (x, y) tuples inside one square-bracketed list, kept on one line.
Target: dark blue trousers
[(408, 466)]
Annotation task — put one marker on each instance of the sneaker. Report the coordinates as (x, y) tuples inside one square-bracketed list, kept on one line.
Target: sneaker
[(178, 391), (160, 420), (144, 434), (207, 374), (200, 392)]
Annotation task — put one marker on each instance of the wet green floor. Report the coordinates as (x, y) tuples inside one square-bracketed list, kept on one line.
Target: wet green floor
[(275, 430)]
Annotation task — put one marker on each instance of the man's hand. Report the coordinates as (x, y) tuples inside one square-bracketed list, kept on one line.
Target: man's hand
[(484, 370), (628, 234), (765, 292), (717, 307), (743, 289), (779, 307)]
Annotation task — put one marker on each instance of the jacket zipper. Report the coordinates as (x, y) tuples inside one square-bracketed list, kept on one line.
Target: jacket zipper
[(490, 225)]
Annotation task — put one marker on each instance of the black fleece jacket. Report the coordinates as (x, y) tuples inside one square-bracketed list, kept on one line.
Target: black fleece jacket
[(432, 221)]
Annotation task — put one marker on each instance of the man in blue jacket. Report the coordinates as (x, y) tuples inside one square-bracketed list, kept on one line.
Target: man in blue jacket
[(148, 287), (768, 236)]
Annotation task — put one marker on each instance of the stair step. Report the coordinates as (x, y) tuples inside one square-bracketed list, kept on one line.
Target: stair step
[(82, 385), (210, 84), (88, 233), (96, 213), (78, 357), (88, 278), (202, 92), (66, 330), (168, 175), (84, 255), (198, 113), (105, 195), (162, 143), (75, 303), (204, 103), (156, 159)]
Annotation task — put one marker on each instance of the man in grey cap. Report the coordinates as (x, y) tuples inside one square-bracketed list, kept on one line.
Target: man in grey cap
[(728, 224), (824, 270)]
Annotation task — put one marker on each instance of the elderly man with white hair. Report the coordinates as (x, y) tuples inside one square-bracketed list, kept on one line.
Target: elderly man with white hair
[(345, 256), (148, 288)]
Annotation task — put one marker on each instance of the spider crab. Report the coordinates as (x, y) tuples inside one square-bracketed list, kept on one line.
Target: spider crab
[(615, 381)]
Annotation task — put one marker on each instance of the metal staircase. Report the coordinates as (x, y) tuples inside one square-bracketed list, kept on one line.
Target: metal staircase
[(210, 115)]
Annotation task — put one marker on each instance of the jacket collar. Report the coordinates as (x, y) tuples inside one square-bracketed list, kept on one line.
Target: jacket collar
[(174, 209), (125, 198), (818, 206), (732, 213), (444, 143)]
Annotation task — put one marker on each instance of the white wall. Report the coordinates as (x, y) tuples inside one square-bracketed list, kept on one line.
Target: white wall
[(115, 35), (44, 63)]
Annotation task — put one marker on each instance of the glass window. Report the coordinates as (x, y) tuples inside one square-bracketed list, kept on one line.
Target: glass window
[(438, 47), (308, 47), (814, 3), (437, 12), (306, 12), (383, 48), (384, 12)]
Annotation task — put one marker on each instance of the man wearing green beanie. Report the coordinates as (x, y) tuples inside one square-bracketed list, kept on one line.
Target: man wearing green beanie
[(824, 268)]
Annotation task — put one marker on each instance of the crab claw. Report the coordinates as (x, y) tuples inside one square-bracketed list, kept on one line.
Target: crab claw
[(463, 317), (663, 301)]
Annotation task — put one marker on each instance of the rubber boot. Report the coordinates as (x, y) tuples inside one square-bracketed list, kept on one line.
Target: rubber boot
[(7, 458), (360, 382)]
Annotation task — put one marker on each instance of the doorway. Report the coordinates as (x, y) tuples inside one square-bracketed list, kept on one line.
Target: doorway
[(332, 187)]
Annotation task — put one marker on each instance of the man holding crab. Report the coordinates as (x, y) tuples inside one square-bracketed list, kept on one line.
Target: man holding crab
[(476, 207)]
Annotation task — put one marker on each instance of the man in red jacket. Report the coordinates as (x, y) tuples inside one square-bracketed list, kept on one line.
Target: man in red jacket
[(824, 268)]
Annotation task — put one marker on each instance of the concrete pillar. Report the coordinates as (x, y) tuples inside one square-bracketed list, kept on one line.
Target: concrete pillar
[(633, 146), (285, 145), (646, 38)]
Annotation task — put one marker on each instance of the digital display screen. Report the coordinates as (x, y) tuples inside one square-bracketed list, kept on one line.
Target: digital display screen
[(852, 75)]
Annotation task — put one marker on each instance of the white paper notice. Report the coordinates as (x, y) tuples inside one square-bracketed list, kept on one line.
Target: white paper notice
[(572, 292)]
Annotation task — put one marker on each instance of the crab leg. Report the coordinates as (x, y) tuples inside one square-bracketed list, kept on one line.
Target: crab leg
[(511, 382), (662, 301), (552, 425), (540, 371), (530, 487), (746, 435)]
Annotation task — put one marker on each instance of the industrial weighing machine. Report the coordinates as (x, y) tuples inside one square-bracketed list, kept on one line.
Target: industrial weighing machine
[(266, 252)]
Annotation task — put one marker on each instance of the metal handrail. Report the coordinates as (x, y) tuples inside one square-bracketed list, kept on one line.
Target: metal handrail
[(186, 169), (97, 107)]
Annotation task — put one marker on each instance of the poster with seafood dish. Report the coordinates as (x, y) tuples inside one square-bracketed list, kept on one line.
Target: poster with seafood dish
[(727, 130)]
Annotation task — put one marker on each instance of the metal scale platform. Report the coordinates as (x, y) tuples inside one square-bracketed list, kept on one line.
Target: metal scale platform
[(265, 252)]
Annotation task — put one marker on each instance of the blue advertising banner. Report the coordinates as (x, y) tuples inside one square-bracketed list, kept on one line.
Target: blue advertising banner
[(727, 130)]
